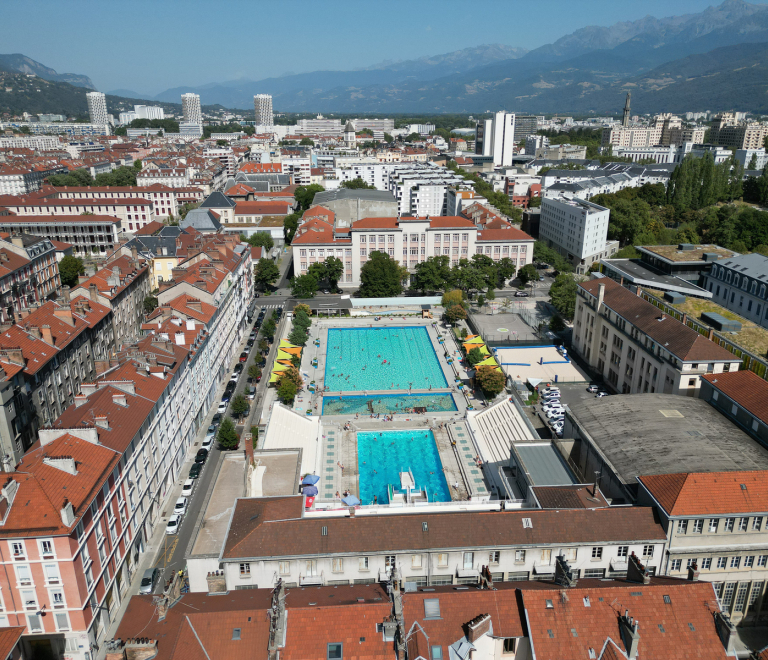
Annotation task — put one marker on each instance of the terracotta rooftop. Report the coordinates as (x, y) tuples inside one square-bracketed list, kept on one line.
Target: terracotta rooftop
[(509, 234), (671, 335), (745, 388)]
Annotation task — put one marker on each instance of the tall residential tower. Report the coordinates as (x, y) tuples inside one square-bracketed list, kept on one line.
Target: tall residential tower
[(190, 106), (97, 108), (262, 105)]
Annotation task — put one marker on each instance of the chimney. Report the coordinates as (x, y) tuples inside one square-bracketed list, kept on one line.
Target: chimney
[(134, 253), (563, 573), (48, 335), (726, 631), (639, 291), (80, 400), (684, 320), (65, 314), (93, 291), (629, 634), (600, 297), (478, 627), (35, 332), (636, 571), (67, 513), (65, 294), (693, 572), (17, 240), (217, 583), (120, 399), (101, 421), (711, 334)]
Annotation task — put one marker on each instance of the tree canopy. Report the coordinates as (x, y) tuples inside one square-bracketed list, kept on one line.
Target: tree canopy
[(304, 195), (304, 286), (265, 272), (380, 277), (357, 184), (286, 390), (69, 268), (562, 294), (261, 239), (227, 435), (490, 380), (434, 274)]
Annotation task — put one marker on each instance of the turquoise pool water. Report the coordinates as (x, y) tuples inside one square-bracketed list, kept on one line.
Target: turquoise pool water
[(387, 403), (381, 456), (386, 358)]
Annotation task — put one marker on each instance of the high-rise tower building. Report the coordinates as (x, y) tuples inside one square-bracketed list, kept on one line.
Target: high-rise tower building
[(190, 107), (625, 118), (262, 105), (97, 108)]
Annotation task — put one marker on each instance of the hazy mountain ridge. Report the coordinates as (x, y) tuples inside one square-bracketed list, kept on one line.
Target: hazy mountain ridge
[(18, 63)]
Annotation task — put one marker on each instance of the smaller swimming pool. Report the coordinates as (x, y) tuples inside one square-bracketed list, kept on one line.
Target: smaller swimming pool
[(387, 403), (381, 456)]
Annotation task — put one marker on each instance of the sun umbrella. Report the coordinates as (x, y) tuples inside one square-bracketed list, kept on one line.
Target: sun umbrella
[(350, 500), (310, 491), (310, 480)]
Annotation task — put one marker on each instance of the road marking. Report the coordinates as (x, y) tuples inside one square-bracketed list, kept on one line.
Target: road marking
[(165, 556)]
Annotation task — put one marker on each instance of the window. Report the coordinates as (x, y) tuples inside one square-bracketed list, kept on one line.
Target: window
[(729, 524), (713, 522), (285, 568), (23, 574), (415, 561), (469, 560), (46, 548), (337, 565), (34, 623), (51, 573), (676, 564), (519, 556), (17, 548), (571, 554), (647, 551), (431, 608), (245, 570), (735, 562), (757, 587), (743, 524), (597, 552), (334, 651), (546, 557), (235, 634), (28, 599), (363, 563), (311, 566), (727, 597), (698, 526), (442, 559), (706, 563), (493, 557), (436, 652), (722, 562), (623, 551), (57, 598), (390, 561), (509, 645), (62, 621), (682, 526), (749, 562)]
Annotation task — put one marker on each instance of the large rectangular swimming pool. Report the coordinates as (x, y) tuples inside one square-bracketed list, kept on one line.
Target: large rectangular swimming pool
[(381, 456), (387, 403), (386, 358)]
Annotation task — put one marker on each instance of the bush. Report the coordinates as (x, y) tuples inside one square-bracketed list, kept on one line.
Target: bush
[(298, 336), (302, 307), (475, 356), (556, 323), (255, 436), (455, 313), (228, 438), (450, 298), (286, 391)]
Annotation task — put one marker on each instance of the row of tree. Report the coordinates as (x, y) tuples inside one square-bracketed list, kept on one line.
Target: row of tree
[(122, 176), (698, 182)]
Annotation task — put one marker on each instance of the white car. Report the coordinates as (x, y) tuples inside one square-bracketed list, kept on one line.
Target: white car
[(222, 407), (556, 413), (173, 524), (548, 405), (186, 489), (592, 389), (550, 390), (600, 395), (207, 444), (234, 377), (552, 397), (181, 506)]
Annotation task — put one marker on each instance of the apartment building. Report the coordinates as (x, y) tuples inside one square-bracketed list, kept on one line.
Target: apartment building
[(44, 358), (120, 286), (70, 130), (717, 530), (577, 229), (727, 131), (97, 107), (24, 179), (637, 348), (262, 105), (133, 212), (422, 189), (190, 108), (87, 234), (29, 273), (428, 549), (508, 242), (35, 142), (741, 396), (740, 284), (173, 177)]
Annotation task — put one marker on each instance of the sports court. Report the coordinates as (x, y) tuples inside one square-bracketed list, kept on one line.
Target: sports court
[(537, 364)]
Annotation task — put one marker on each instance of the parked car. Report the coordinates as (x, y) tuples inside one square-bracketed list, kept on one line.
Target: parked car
[(194, 471), (251, 393), (549, 390), (226, 397), (521, 294), (201, 456), (601, 394), (231, 385), (173, 524), (593, 389), (250, 342), (243, 356), (238, 369), (252, 335), (216, 420), (180, 507), (210, 433), (208, 443), (149, 580), (186, 489), (222, 407)]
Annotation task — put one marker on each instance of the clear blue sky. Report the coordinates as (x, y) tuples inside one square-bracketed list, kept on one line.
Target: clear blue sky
[(152, 45)]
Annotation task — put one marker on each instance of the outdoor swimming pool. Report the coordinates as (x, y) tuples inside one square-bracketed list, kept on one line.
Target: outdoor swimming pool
[(387, 403), (381, 456), (386, 358)]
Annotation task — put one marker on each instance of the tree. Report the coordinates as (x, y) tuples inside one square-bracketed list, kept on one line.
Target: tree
[(450, 298), (221, 143), (490, 379), (455, 313), (292, 374), (302, 307), (317, 270), (357, 184), (474, 357), (490, 295), (334, 269), (469, 276), (227, 434), (380, 277), (254, 371), (388, 138), (752, 162), (303, 286), (506, 271), (263, 345), (269, 328), (302, 319), (481, 300), (298, 336), (556, 323), (527, 273), (69, 268), (150, 303), (562, 294), (290, 225), (544, 254), (306, 142), (265, 272), (261, 239), (238, 405), (305, 194), (534, 202), (432, 274), (286, 390)]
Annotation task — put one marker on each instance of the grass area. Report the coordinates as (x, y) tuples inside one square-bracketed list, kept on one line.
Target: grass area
[(752, 337)]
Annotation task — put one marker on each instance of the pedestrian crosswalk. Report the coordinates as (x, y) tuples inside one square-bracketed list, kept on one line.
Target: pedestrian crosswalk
[(268, 307)]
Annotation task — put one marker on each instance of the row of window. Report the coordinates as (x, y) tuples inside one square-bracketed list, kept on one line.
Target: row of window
[(722, 563), (696, 525)]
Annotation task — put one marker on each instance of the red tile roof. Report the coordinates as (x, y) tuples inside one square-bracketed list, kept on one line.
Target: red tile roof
[(744, 388), (262, 168), (318, 232), (510, 234), (671, 335), (263, 208), (9, 637), (38, 219), (150, 228), (375, 223), (716, 493), (448, 221)]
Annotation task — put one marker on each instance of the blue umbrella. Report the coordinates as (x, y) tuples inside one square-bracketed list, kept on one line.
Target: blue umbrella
[(310, 491), (350, 500), (310, 479)]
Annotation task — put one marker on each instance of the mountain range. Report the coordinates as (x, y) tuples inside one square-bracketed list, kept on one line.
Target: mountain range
[(716, 59), (17, 63)]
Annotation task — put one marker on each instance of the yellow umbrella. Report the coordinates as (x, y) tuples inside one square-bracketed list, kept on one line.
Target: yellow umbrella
[(474, 339), (282, 355), (292, 351), (488, 362), (274, 377), (284, 343)]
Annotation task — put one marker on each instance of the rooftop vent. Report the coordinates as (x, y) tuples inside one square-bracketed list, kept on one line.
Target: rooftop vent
[(431, 608)]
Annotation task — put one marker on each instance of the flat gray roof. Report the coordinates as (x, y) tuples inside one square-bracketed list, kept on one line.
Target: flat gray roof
[(665, 434), (346, 193), (543, 463), (636, 273)]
